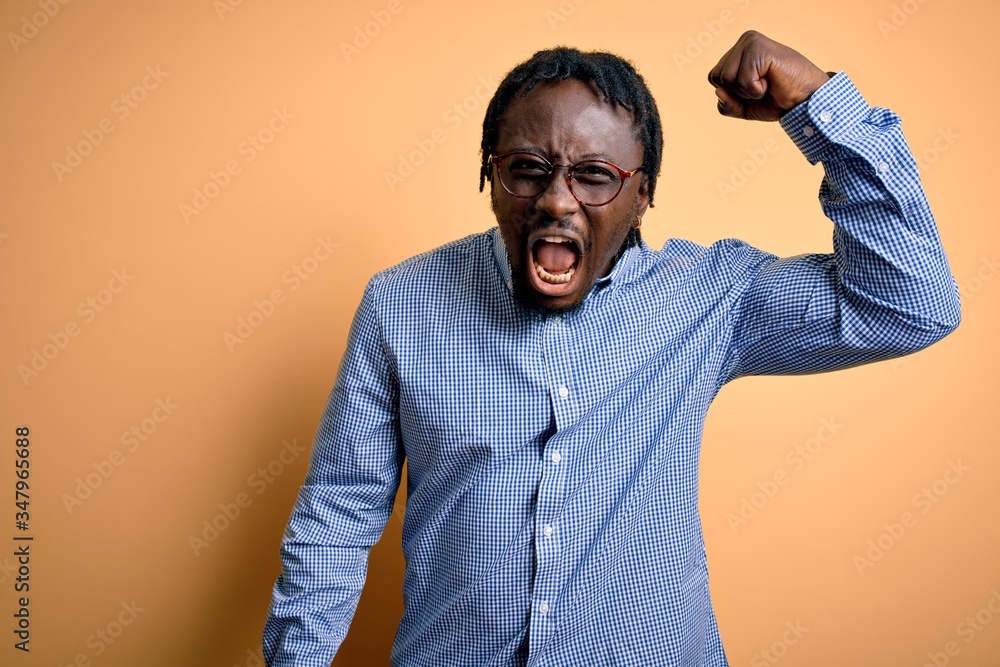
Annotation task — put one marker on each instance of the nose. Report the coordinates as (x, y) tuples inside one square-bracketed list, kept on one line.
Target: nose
[(556, 200)]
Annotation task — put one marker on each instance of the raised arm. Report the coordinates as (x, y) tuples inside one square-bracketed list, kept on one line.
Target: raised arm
[(342, 508), (886, 290)]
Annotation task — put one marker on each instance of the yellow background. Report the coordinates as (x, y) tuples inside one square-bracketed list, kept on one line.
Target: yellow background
[(226, 69)]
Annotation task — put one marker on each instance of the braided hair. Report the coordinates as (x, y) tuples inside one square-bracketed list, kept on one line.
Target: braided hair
[(614, 76)]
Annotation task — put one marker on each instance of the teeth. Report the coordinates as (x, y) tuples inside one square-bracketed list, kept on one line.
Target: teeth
[(556, 239), (559, 279)]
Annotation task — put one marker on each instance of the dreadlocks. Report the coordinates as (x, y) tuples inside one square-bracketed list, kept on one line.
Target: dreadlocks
[(614, 76)]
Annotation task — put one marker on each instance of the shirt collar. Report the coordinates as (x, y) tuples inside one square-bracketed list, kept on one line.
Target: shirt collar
[(503, 261), (619, 269)]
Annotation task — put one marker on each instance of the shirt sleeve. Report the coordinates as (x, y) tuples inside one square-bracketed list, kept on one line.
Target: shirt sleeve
[(342, 507), (885, 291)]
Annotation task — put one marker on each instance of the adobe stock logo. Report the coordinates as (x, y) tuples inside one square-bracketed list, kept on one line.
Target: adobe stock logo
[(779, 649), (264, 309), (740, 173), (121, 107), (924, 500), (898, 17), (968, 629), (248, 149), (945, 139), (59, 340), (230, 511), (134, 438), (797, 457), (363, 35), (223, 7), (454, 116), (254, 658), (30, 27), (566, 9), (698, 43), (102, 639)]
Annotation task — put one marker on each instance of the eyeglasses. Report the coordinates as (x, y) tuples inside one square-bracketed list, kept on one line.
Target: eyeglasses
[(591, 182)]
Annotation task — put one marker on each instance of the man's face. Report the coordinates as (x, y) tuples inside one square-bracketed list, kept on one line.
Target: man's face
[(566, 122)]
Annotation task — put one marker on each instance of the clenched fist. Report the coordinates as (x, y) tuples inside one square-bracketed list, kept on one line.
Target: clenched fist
[(760, 79)]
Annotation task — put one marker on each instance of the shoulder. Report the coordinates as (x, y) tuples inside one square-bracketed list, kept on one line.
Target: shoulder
[(727, 259), (435, 271)]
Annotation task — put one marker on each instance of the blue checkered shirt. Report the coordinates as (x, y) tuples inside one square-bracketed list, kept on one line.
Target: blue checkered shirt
[(552, 460)]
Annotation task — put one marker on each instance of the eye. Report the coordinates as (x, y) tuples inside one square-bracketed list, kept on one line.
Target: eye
[(527, 168), (595, 173)]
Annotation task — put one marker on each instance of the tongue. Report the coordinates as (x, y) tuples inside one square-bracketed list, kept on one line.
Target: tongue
[(555, 257)]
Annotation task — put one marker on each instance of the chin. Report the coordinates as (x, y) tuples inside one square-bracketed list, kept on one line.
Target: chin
[(531, 299)]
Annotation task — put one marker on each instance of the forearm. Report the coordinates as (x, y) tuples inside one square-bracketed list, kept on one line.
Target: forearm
[(324, 557), (311, 608)]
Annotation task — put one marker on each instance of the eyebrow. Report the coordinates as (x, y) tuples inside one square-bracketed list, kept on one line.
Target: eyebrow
[(536, 151)]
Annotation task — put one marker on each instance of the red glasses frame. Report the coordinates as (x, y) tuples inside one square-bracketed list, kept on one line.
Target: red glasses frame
[(622, 173)]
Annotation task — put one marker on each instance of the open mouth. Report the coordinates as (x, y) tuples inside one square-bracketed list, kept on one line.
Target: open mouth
[(554, 262)]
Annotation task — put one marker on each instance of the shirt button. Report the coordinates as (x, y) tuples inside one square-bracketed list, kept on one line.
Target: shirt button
[(548, 530), (883, 167), (543, 608), (563, 392), (808, 130), (556, 457), (826, 116)]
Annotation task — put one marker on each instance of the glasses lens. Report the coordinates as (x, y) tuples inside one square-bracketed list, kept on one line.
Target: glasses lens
[(595, 183), (525, 175)]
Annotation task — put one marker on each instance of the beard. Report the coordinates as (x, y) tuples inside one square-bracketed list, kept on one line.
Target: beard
[(525, 295)]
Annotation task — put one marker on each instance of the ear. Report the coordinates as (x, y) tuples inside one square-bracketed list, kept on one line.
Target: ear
[(642, 195)]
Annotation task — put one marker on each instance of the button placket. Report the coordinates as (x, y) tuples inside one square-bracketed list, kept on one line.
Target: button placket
[(558, 370), (551, 489)]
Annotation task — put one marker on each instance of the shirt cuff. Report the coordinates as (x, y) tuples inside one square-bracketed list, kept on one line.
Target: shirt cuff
[(830, 116)]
